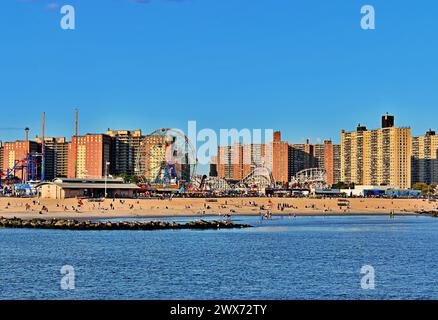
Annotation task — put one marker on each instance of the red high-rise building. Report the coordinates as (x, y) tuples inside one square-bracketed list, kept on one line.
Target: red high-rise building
[(88, 156), (280, 158), (328, 156)]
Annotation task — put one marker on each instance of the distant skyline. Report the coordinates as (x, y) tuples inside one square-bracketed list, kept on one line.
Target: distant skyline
[(304, 68)]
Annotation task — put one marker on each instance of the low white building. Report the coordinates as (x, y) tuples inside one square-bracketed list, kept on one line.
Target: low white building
[(61, 188)]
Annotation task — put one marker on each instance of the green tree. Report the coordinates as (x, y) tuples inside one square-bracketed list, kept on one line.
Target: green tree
[(129, 178), (339, 185), (423, 187)]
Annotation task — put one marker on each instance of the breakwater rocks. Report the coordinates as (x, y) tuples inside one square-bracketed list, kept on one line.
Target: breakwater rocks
[(432, 213), (108, 225)]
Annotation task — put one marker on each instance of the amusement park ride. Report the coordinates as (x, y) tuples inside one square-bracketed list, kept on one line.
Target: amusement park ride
[(22, 175), (170, 162), (24, 172), (313, 178)]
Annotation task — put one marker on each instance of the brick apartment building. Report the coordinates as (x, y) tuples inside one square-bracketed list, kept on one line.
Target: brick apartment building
[(280, 159), (18, 150), (88, 156)]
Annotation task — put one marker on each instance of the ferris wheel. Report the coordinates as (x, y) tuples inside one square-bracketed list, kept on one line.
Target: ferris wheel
[(168, 158)]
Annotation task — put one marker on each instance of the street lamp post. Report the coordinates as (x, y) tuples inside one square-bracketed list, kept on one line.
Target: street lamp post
[(106, 176)]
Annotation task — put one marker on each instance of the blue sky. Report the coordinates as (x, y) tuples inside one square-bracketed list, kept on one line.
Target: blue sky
[(303, 67)]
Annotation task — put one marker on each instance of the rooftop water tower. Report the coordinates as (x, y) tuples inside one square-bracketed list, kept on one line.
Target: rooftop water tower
[(387, 121)]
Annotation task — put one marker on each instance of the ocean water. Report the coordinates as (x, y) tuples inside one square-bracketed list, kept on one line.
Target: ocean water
[(286, 258)]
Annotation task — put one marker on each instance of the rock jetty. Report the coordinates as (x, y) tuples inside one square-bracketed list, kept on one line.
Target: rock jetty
[(433, 213), (108, 225)]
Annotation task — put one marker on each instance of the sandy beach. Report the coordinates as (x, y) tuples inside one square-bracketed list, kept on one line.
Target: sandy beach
[(127, 208)]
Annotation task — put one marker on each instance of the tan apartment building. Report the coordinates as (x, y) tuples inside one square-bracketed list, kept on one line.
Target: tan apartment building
[(377, 157), (154, 151), (55, 157), (425, 158), (352, 155), (126, 151), (224, 165)]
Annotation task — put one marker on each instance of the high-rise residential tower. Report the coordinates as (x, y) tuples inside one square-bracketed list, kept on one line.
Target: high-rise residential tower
[(89, 156), (280, 159), (224, 162), (125, 151), (55, 157), (425, 158), (301, 157), (377, 157), (154, 157), (328, 157)]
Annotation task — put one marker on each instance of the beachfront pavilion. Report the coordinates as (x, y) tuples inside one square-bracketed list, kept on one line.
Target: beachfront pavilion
[(62, 188)]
